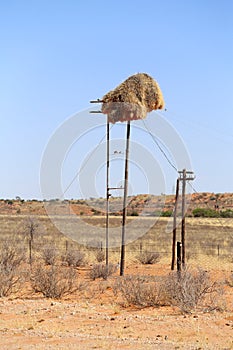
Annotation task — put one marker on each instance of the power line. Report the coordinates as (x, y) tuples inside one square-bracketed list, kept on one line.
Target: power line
[(85, 163), (160, 148)]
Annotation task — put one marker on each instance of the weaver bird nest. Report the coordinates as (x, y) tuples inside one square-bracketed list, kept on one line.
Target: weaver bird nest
[(133, 99)]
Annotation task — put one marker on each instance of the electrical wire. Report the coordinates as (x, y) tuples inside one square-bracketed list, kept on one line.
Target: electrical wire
[(159, 147), (85, 163)]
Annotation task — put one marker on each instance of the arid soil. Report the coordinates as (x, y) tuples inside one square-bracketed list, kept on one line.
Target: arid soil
[(96, 319)]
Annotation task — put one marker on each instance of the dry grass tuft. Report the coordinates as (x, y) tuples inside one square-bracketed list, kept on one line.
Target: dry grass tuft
[(133, 99)]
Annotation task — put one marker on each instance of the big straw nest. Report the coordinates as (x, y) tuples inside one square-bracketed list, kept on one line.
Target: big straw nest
[(133, 99)]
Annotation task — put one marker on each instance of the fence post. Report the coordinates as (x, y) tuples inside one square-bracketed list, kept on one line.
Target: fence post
[(178, 256), (66, 246), (174, 227), (218, 247), (140, 248)]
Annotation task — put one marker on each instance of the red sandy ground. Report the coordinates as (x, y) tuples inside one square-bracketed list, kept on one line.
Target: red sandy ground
[(96, 320)]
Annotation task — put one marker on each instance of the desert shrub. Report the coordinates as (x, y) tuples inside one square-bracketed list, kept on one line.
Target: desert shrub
[(148, 257), (166, 213), (188, 289), (229, 281), (140, 291), (102, 271), (54, 281), (11, 257), (228, 213), (133, 213), (100, 255), (205, 213), (74, 258), (49, 255), (11, 274), (156, 213), (10, 281)]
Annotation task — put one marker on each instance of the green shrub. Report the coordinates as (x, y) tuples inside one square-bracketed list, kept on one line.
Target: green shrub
[(134, 213), (166, 213), (205, 213), (226, 213)]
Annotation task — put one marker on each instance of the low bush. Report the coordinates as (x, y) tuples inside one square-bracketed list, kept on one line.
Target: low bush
[(74, 258), (140, 291), (54, 281), (49, 255), (228, 213), (189, 289), (10, 257), (146, 257), (205, 213), (11, 273), (186, 290), (166, 213), (229, 281), (102, 271), (133, 213), (100, 255)]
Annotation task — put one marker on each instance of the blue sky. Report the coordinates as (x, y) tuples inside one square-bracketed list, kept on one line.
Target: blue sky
[(58, 55)]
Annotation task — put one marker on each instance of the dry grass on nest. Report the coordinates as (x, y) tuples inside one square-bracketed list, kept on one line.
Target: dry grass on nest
[(133, 99)]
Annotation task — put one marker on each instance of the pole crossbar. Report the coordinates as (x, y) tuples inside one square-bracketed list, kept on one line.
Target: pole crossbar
[(115, 188), (187, 172), (97, 101)]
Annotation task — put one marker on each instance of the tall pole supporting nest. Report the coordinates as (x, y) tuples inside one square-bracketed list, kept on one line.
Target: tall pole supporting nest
[(131, 100), (107, 195), (122, 264)]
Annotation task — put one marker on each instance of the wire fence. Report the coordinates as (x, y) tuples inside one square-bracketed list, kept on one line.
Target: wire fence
[(205, 255)]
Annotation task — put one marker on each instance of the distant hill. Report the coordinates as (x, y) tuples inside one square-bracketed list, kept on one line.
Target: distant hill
[(144, 204)]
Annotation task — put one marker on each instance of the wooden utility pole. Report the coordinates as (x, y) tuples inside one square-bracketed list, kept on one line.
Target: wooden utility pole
[(122, 264), (174, 226), (184, 176), (183, 217), (107, 196)]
